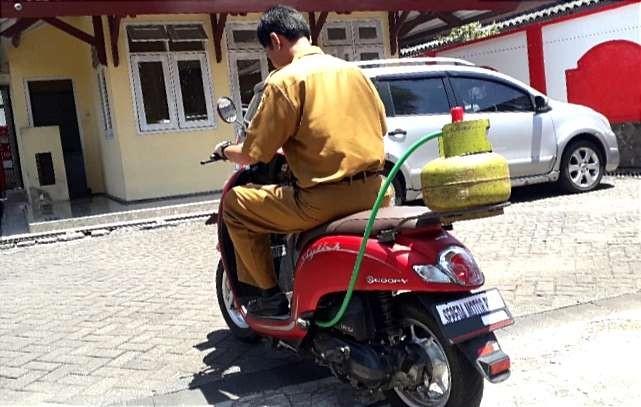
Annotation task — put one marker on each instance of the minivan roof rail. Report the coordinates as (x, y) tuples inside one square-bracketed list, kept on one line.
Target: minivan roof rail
[(378, 63)]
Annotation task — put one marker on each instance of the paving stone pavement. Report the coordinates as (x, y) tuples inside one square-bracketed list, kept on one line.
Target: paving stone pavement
[(549, 251), (585, 355), (131, 314)]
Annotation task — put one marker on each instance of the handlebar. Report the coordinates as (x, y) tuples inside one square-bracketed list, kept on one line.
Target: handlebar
[(205, 162), (212, 159)]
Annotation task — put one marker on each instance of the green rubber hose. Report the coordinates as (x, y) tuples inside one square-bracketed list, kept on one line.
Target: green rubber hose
[(370, 225)]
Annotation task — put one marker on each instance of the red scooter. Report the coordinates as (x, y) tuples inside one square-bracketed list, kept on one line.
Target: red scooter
[(416, 326)]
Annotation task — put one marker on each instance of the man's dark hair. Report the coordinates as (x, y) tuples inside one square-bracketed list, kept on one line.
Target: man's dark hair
[(282, 20)]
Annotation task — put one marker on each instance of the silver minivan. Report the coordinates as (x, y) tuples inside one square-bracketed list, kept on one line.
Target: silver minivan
[(543, 140)]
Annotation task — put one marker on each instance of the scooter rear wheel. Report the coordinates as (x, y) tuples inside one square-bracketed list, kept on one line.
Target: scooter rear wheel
[(233, 316), (453, 382)]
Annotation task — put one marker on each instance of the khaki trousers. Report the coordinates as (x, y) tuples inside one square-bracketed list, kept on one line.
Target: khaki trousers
[(252, 212)]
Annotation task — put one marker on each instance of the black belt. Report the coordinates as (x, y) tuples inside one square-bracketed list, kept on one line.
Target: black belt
[(360, 176)]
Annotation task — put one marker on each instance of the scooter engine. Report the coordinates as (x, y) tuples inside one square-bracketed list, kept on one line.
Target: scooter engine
[(372, 366), (355, 363)]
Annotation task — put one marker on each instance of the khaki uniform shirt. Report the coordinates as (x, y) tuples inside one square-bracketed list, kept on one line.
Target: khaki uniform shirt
[(325, 114)]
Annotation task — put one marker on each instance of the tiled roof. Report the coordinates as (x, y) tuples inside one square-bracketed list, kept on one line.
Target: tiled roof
[(523, 19)]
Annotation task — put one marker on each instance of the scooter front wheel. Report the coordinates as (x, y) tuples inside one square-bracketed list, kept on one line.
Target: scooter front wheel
[(451, 382), (233, 316)]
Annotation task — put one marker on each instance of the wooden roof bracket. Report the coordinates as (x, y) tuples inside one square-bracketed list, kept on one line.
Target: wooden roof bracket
[(99, 39), (14, 32), (316, 25), (395, 21), (69, 29), (19, 26), (423, 17), (218, 28), (114, 34)]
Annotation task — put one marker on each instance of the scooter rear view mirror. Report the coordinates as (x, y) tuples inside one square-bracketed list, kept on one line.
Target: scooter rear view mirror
[(227, 110)]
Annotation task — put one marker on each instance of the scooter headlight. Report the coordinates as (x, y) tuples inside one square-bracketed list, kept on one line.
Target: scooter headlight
[(454, 265)]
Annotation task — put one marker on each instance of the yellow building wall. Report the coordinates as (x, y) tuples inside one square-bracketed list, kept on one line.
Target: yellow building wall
[(46, 53), (167, 163), (132, 165), (112, 162), (159, 164)]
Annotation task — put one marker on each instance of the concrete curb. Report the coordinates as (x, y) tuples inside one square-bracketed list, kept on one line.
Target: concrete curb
[(171, 211), (102, 229), (151, 218)]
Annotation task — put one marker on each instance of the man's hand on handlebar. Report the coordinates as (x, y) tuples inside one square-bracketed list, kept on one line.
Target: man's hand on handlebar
[(219, 151), (227, 151)]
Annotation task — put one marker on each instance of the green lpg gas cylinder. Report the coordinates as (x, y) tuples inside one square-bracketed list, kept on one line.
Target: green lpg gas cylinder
[(468, 174)]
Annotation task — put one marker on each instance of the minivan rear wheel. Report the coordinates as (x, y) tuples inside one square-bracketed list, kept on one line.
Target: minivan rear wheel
[(582, 167), (399, 192), (398, 186)]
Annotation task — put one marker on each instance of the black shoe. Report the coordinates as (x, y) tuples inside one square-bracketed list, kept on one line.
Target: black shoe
[(274, 305)]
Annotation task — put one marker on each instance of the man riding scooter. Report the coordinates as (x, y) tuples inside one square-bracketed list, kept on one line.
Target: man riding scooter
[(329, 120)]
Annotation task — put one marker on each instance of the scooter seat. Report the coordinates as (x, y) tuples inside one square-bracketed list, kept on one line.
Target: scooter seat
[(393, 217)]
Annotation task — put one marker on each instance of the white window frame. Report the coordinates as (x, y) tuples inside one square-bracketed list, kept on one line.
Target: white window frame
[(140, 105), (209, 103), (347, 25), (105, 104), (341, 52), (353, 45), (229, 34), (234, 57), (379, 49), (177, 122), (369, 23)]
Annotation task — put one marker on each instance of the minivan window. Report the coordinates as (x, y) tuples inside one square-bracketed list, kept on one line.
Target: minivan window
[(418, 96), (479, 95), (383, 92)]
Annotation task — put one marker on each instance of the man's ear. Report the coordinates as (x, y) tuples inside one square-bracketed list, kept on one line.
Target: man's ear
[(275, 41)]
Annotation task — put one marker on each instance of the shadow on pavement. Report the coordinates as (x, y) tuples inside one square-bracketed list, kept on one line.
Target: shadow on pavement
[(537, 192), (237, 369), (531, 193)]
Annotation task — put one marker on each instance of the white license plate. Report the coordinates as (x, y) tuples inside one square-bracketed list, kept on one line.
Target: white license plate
[(472, 306)]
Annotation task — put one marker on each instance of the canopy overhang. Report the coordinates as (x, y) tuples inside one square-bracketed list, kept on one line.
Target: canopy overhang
[(409, 20), (68, 8)]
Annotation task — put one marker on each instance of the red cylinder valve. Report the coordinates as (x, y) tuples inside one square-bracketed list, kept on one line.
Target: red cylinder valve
[(457, 114)]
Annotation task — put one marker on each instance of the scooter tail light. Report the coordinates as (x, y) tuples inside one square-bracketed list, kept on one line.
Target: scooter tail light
[(459, 264), (495, 366), (500, 366)]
